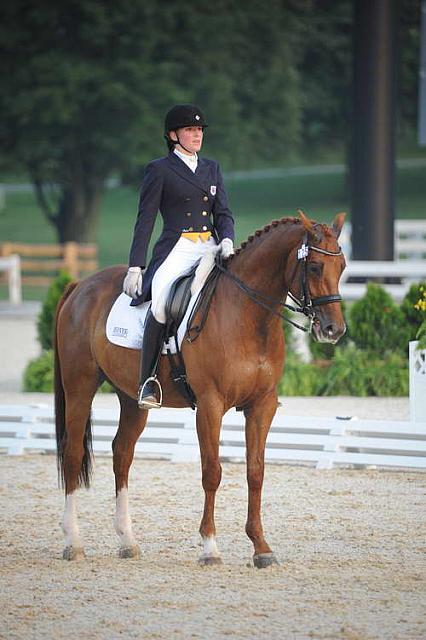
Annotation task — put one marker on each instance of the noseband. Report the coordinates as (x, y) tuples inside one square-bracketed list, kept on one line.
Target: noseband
[(306, 304)]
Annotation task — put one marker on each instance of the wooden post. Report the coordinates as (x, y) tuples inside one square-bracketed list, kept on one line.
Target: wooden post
[(71, 259), (6, 249)]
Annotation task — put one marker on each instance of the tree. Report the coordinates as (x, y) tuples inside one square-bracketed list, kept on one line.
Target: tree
[(408, 68), (80, 99), (323, 34), (85, 84), (242, 69)]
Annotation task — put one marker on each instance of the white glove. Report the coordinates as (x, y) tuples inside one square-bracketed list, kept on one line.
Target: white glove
[(226, 248), (132, 285)]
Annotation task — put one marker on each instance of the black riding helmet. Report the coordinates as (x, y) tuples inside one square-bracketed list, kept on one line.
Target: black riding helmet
[(182, 115)]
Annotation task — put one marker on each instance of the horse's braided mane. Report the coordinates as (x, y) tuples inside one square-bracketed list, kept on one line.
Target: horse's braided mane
[(325, 229)]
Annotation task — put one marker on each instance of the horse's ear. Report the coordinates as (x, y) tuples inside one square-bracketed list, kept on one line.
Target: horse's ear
[(309, 225), (338, 223)]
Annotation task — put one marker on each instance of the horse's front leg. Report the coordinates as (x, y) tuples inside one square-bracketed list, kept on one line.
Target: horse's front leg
[(258, 421), (209, 420), (132, 423)]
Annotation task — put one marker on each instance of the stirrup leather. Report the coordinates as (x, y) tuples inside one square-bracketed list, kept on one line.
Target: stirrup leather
[(143, 404)]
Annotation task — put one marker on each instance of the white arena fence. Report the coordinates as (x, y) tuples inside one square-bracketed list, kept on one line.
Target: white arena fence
[(417, 362), (409, 240), (408, 266), (404, 273), (12, 266), (170, 434)]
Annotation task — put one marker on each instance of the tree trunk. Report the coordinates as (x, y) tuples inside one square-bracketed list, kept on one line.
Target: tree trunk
[(78, 213), (75, 212)]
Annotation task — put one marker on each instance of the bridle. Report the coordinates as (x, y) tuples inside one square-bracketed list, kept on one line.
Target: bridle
[(306, 304)]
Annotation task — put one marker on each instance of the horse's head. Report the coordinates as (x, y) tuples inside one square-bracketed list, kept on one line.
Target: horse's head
[(314, 277)]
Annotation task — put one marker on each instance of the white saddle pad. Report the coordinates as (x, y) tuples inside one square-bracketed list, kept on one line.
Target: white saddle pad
[(125, 324)]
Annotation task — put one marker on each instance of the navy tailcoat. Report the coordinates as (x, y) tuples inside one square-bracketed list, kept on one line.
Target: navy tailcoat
[(187, 202)]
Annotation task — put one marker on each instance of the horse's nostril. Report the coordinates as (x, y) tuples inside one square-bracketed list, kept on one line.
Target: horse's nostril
[(334, 330), (330, 330)]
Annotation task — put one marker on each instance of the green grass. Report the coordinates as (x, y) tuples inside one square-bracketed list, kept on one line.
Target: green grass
[(254, 202)]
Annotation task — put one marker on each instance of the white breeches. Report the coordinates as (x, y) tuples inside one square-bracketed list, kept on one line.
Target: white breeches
[(180, 260)]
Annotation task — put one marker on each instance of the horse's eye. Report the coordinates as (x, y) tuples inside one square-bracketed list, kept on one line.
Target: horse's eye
[(314, 268)]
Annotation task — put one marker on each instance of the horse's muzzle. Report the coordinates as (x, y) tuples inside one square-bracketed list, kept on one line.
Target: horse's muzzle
[(328, 331)]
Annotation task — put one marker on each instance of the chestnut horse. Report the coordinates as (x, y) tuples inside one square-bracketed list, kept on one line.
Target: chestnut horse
[(237, 361)]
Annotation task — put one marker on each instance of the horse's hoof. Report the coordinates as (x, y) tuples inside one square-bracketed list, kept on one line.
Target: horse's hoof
[(130, 552), (263, 560), (73, 553), (209, 561)]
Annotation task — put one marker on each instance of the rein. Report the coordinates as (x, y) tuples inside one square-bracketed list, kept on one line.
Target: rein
[(261, 299), (306, 304)]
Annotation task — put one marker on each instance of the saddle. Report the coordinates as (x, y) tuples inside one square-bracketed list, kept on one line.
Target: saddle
[(176, 307), (178, 300)]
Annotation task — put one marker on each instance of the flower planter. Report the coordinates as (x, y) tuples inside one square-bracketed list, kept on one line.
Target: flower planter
[(417, 383)]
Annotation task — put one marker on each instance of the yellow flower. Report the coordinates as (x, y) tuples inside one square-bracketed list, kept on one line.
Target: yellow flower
[(421, 304)]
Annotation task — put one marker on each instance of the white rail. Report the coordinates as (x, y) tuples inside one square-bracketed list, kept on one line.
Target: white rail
[(405, 271), (409, 240), (171, 434)]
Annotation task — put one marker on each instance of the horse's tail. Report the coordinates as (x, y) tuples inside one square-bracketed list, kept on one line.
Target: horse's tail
[(61, 434)]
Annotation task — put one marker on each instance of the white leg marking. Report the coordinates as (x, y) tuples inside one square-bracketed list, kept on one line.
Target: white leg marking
[(210, 547), (70, 522), (122, 521)]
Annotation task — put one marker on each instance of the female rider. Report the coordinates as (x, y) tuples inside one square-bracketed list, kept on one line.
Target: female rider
[(189, 192)]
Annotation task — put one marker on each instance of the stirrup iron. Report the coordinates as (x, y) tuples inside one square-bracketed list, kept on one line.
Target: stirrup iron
[(143, 404)]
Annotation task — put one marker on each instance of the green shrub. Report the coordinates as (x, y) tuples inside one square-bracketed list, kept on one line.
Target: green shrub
[(421, 336), (355, 372), (348, 373), (46, 319), (390, 376), (377, 324), (413, 309), (414, 314), (38, 375), (299, 378), (321, 350)]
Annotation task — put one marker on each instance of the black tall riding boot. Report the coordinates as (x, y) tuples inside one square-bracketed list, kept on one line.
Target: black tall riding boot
[(150, 393)]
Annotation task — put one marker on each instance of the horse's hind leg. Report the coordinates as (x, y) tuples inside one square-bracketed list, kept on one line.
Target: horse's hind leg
[(132, 423), (209, 419), (258, 421), (76, 458)]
